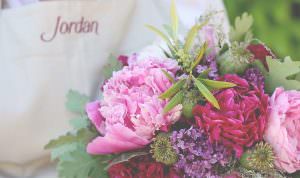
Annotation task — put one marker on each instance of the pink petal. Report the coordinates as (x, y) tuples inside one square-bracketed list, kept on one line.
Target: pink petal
[(92, 110), (118, 139)]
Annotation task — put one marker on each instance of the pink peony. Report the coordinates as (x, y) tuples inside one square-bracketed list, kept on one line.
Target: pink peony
[(240, 122), (283, 129), (130, 111)]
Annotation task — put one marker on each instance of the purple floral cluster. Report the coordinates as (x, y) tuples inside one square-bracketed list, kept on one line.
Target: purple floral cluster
[(254, 76), (197, 156)]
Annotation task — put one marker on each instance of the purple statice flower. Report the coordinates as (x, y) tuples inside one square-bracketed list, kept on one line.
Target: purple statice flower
[(197, 157), (254, 76)]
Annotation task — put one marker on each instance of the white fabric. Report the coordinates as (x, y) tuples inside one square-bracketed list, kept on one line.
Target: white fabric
[(35, 76)]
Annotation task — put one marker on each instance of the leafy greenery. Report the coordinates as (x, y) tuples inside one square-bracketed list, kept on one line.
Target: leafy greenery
[(80, 122), (176, 100), (280, 73), (175, 88), (83, 165), (276, 23), (70, 149), (188, 59), (241, 28), (113, 65), (235, 58), (206, 93), (76, 102)]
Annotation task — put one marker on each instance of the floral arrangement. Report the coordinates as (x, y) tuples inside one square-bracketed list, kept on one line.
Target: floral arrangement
[(206, 107)]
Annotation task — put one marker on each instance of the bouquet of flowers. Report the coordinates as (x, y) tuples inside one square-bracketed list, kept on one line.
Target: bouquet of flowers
[(203, 107)]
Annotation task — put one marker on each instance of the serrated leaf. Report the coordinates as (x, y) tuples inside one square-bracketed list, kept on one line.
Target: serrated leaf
[(192, 35), (84, 165), (176, 100), (241, 27), (206, 93), (217, 84), (112, 65), (279, 72), (76, 102), (160, 33), (199, 56), (174, 20), (80, 122), (175, 88), (62, 140), (62, 150), (82, 136), (170, 78), (124, 157)]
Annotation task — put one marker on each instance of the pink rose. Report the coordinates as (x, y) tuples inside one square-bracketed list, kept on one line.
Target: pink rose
[(283, 129), (130, 111)]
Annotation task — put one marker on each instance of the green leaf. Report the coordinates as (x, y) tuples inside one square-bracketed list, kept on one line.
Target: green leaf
[(204, 74), (168, 29), (62, 140), (76, 102), (82, 136), (58, 152), (192, 35), (113, 65), (241, 27), (80, 122), (199, 56), (83, 165), (160, 33), (296, 174), (123, 157), (175, 88), (177, 99), (174, 20), (171, 79), (279, 73), (217, 84), (206, 93)]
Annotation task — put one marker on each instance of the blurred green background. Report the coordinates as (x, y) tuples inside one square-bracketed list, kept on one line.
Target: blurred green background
[(276, 22)]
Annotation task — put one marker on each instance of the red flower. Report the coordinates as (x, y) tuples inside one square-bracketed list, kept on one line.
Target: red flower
[(123, 59), (141, 167), (260, 52), (241, 120)]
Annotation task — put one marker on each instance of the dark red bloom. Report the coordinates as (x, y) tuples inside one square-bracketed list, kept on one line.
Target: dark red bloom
[(123, 59), (142, 167), (242, 118), (260, 52)]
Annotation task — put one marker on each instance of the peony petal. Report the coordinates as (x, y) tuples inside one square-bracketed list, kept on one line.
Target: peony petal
[(118, 139), (92, 110)]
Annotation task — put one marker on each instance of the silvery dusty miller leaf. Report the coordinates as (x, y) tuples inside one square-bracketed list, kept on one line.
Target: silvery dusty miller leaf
[(82, 136), (76, 102), (84, 165), (80, 122), (113, 65)]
